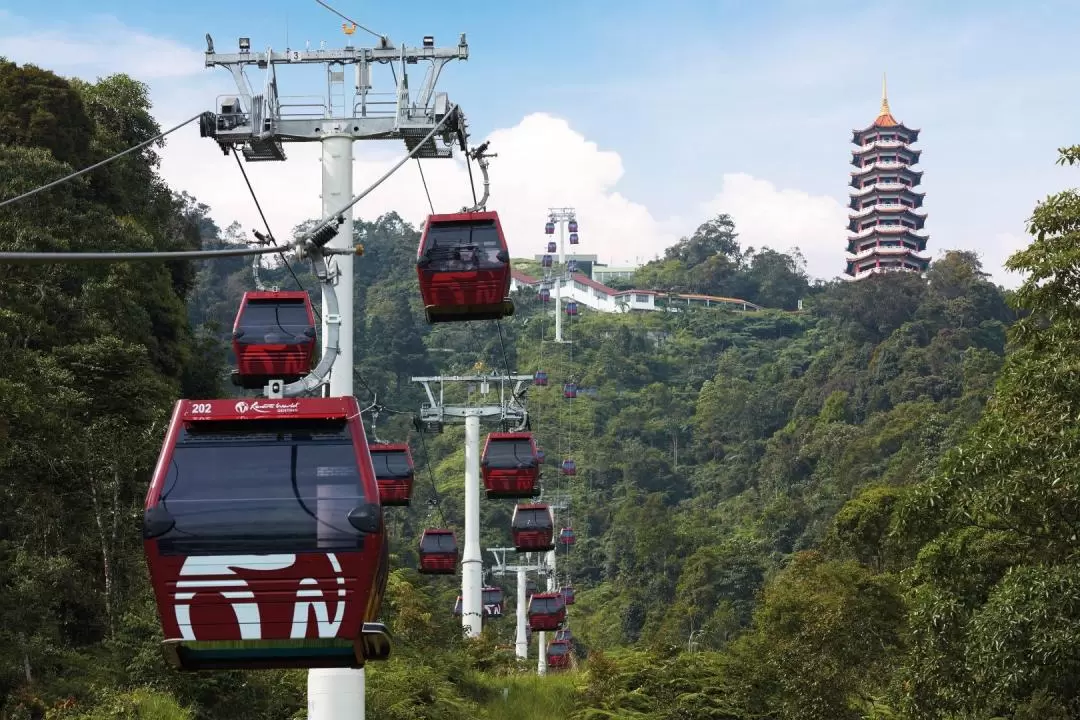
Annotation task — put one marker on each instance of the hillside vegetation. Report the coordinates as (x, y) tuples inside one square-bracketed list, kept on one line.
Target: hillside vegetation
[(864, 509)]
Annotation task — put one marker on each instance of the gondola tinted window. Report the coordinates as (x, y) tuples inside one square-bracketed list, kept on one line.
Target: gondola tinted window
[(285, 317), (438, 543), (509, 454), (545, 606), (391, 465), (267, 487), (557, 648), (531, 519), (463, 245)]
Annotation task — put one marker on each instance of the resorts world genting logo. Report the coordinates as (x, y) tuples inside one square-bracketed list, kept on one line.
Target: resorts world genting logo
[(218, 574), (263, 408)]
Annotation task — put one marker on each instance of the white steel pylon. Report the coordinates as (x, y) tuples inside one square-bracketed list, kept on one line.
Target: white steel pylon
[(259, 122), (521, 642), (510, 411), (561, 217)]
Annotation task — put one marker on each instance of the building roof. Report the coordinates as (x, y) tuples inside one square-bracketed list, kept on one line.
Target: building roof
[(885, 118)]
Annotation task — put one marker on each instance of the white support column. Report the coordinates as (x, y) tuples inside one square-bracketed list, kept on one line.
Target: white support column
[(521, 646), (472, 565), (541, 653), (559, 284), (338, 693)]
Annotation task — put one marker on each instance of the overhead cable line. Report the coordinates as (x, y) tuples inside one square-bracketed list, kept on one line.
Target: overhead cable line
[(426, 191), (349, 20), (269, 232), (95, 166), (320, 231), (44, 257)]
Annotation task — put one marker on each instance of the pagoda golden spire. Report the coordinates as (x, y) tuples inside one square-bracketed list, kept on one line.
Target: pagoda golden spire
[(884, 96)]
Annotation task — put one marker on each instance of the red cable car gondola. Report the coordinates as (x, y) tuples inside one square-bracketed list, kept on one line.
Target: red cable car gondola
[(567, 536), (568, 595), (549, 228), (273, 337), (573, 238), (545, 295), (552, 248), (509, 465), (546, 611), (569, 390), (438, 552), (264, 536), (464, 268), (564, 635), (533, 528), (569, 467), (540, 379), (558, 654), (572, 226), (394, 472), (492, 599)]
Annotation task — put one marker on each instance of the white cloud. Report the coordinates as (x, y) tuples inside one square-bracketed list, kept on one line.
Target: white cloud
[(782, 219), (542, 162)]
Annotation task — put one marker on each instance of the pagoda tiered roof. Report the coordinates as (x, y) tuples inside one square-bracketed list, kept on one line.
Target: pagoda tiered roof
[(890, 210)]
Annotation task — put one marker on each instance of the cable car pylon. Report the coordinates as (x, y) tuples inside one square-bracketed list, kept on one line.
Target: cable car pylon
[(511, 413), (563, 218), (258, 123), (501, 568)]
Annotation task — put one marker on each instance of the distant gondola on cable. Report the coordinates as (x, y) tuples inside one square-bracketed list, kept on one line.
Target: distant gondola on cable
[(540, 379), (549, 228), (572, 226), (533, 528), (546, 611), (567, 594), (438, 552), (573, 238), (545, 295), (273, 337), (558, 654), (569, 390), (571, 308), (567, 536), (571, 266), (546, 261), (564, 635), (569, 467), (552, 247), (492, 599), (262, 520), (393, 472), (509, 465), (463, 264)]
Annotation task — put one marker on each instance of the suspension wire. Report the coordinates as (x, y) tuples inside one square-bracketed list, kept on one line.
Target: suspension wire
[(350, 20), (269, 232), (28, 257), (95, 166), (426, 191), (502, 344), (159, 255), (431, 478), (472, 185)]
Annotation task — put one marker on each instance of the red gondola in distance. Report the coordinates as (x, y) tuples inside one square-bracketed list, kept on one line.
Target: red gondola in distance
[(533, 528), (394, 473), (438, 552), (568, 594), (264, 536), (273, 337), (558, 654), (463, 264), (509, 465), (546, 611)]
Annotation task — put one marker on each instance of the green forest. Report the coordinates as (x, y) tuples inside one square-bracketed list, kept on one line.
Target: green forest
[(865, 508)]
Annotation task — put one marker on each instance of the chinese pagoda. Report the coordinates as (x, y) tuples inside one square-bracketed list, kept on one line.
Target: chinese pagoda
[(884, 222)]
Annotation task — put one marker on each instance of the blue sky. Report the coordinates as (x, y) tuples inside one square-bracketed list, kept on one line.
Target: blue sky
[(676, 109)]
